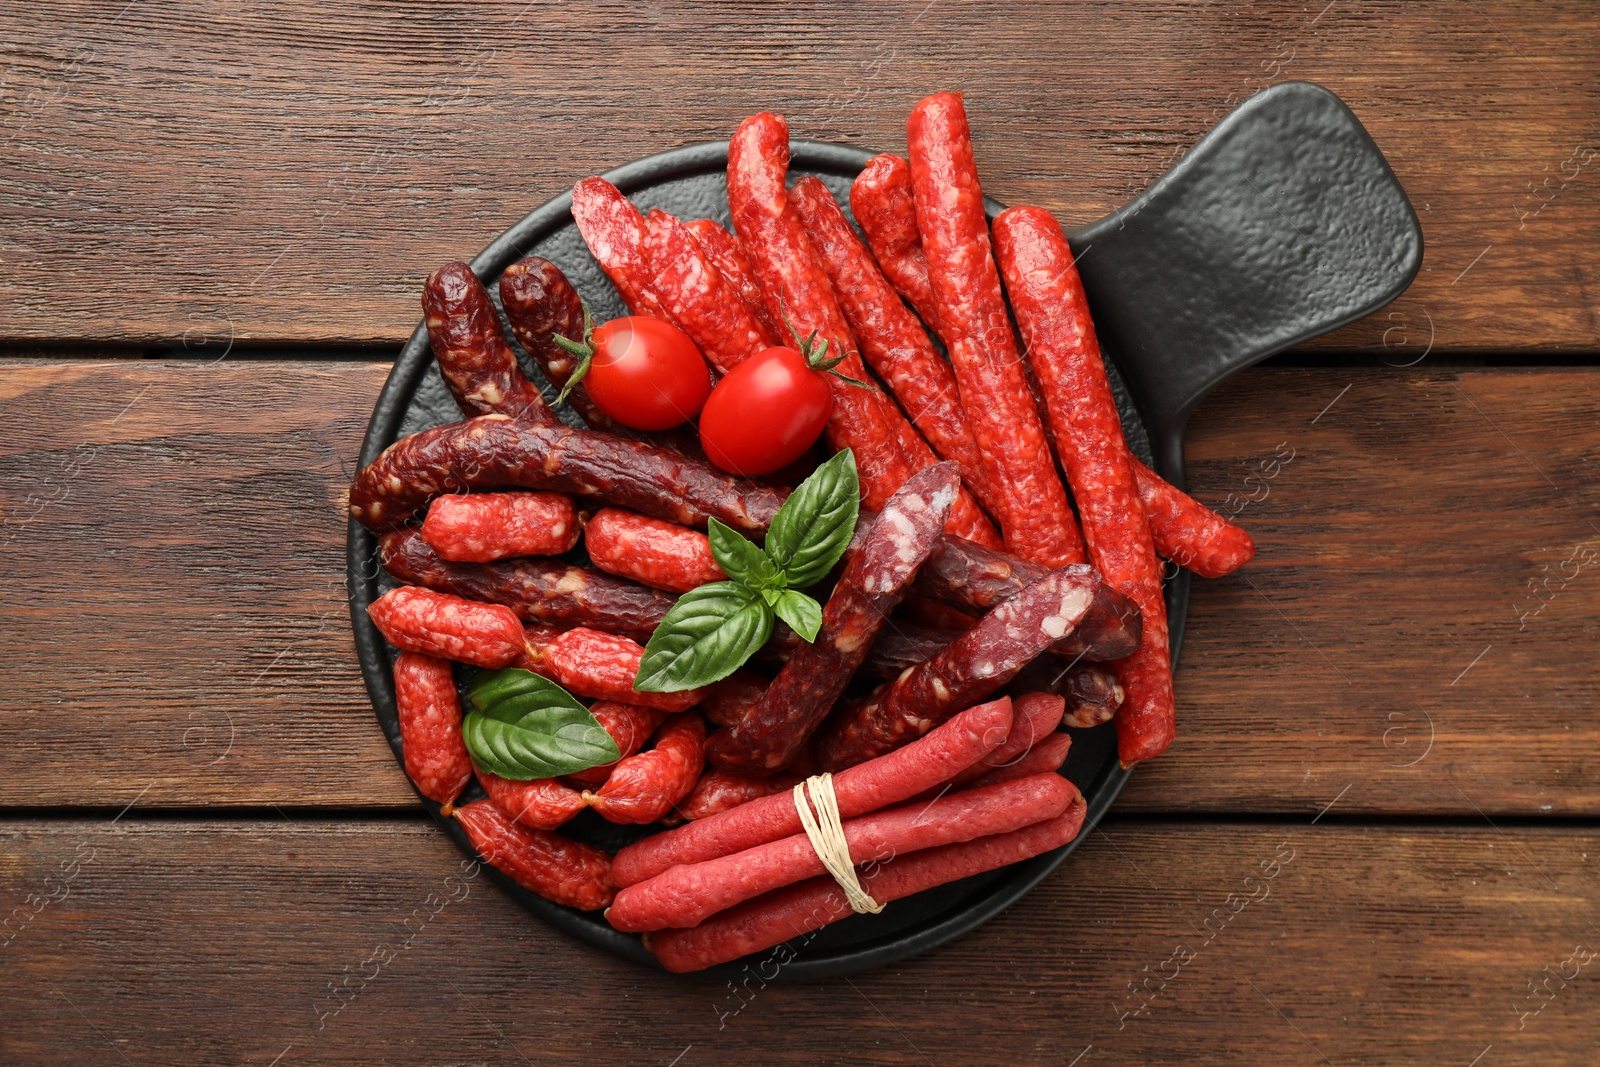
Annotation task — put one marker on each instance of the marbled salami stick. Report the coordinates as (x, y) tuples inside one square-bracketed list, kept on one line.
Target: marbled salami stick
[(769, 736), (474, 358), (974, 579), (1035, 517), (986, 657)]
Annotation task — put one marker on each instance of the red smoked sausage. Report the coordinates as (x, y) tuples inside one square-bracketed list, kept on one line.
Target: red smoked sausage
[(882, 201), (644, 787), (438, 624), (1186, 531), (657, 553), (891, 338), (796, 911), (542, 804), (1048, 755), (697, 298), (938, 757), (548, 864), (614, 231), (430, 727), (887, 449), (538, 590), (1034, 717), (1054, 315), (688, 895), (474, 358), (1035, 518), (481, 527), (630, 726), (728, 256)]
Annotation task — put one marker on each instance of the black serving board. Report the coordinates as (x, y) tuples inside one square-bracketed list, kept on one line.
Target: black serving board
[(1283, 223)]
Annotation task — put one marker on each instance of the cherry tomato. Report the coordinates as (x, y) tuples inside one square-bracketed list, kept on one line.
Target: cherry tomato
[(766, 412), (644, 373)]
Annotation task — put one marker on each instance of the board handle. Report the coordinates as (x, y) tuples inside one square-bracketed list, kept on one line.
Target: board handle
[(1282, 223)]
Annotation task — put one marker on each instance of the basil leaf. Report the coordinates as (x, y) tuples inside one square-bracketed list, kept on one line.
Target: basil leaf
[(803, 614), (740, 558), (524, 727), (707, 635), (814, 527)]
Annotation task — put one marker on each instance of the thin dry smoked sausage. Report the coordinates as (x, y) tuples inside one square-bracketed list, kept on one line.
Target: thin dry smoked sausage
[(891, 338), (887, 448), (688, 895), (938, 757), (1035, 517), (796, 911), (1054, 315), (982, 660)]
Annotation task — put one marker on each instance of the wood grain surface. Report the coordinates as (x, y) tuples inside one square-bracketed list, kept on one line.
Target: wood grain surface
[(360, 942), (1416, 634), (185, 175)]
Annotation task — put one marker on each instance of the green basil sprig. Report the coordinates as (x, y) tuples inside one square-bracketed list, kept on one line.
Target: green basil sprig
[(712, 630), (523, 727)]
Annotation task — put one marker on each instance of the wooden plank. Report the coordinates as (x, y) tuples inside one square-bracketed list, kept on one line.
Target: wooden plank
[(175, 616), (173, 619), (161, 942), (272, 173)]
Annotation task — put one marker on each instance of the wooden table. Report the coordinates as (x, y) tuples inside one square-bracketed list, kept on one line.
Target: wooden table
[(215, 222)]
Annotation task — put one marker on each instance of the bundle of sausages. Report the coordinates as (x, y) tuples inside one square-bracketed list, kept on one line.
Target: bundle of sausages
[(965, 576)]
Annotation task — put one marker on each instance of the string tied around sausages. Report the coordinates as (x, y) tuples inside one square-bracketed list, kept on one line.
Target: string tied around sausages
[(826, 831)]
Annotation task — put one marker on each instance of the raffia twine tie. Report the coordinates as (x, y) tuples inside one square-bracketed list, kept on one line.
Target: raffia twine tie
[(826, 831)]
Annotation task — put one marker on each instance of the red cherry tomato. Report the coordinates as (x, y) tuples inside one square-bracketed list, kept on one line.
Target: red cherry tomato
[(765, 413), (646, 373)]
